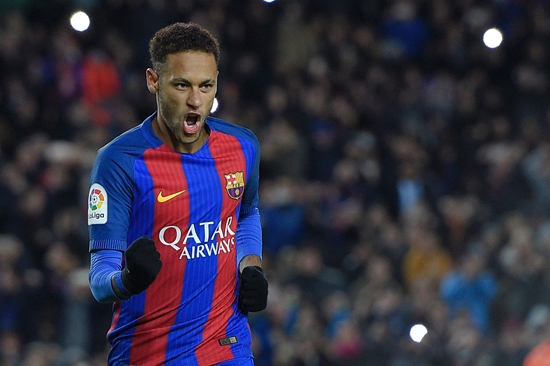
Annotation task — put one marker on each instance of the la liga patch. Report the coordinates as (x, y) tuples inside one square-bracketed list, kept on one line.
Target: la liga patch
[(97, 205)]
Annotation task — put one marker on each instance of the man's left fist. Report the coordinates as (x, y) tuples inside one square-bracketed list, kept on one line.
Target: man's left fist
[(253, 290)]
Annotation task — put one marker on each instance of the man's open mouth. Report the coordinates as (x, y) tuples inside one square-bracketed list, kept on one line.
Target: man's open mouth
[(192, 118), (191, 124)]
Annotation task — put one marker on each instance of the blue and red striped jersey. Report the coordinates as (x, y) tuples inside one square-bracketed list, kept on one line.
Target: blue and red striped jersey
[(191, 206)]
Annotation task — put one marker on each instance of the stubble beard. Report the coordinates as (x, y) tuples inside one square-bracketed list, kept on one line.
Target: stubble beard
[(169, 114)]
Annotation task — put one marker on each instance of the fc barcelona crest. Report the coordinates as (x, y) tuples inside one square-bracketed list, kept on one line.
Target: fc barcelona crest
[(235, 184)]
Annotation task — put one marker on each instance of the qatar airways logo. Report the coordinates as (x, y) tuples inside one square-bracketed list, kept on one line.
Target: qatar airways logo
[(209, 239)]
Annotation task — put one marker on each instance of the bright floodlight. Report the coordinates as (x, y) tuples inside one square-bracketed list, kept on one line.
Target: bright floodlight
[(80, 21), (268, 1), (492, 38), (418, 331), (214, 106)]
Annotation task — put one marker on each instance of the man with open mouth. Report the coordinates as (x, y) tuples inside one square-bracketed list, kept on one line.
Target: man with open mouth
[(175, 233)]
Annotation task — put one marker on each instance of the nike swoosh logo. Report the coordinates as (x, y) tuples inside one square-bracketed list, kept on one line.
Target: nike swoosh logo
[(162, 198)]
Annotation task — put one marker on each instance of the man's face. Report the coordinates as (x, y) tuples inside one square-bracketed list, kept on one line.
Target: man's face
[(186, 89)]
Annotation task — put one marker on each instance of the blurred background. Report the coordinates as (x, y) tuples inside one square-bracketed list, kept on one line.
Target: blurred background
[(405, 173)]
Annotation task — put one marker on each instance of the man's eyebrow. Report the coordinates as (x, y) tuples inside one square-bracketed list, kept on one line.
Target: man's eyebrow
[(185, 81), (181, 80)]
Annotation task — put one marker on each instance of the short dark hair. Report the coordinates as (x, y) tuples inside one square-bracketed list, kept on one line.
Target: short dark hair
[(181, 37)]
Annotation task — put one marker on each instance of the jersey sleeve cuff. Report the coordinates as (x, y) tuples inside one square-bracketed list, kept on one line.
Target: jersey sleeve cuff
[(117, 278), (249, 236), (112, 244)]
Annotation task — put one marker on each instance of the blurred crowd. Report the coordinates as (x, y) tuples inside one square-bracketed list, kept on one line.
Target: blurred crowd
[(405, 174)]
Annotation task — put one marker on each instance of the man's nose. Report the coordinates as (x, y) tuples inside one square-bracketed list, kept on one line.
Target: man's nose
[(194, 99)]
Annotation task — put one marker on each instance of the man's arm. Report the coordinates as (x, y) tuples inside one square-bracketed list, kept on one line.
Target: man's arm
[(253, 283), (250, 260), (116, 290), (249, 239), (105, 264), (111, 283)]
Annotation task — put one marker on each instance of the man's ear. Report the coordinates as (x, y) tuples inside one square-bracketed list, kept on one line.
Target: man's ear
[(152, 80)]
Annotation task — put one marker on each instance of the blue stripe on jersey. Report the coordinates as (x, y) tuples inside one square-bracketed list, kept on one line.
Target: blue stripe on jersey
[(143, 212), (141, 223)]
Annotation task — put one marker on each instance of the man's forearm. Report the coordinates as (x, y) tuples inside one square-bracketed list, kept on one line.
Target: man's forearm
[(104, 264), (117, 290), (250, 260)]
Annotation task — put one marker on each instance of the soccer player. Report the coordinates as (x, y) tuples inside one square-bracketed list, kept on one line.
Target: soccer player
[(175, 235)]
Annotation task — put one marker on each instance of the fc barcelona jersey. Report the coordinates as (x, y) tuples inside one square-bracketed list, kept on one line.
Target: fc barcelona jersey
[(190, 205)]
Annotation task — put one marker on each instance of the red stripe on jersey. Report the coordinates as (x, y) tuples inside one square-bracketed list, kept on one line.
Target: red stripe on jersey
[(227, 152), (115, 317), (164, 296)]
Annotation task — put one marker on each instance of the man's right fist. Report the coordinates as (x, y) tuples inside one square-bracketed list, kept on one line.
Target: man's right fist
[(142, 265)]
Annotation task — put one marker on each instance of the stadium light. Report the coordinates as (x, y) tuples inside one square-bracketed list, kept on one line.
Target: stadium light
[(492, 38), (417, 333), (80, 21), (214, 106)]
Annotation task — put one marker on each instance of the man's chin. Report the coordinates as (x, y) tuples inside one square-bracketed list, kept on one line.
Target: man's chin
[(188, 139)]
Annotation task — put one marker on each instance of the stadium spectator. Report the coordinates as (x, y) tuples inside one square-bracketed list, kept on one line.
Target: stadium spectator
[(470, 289)]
